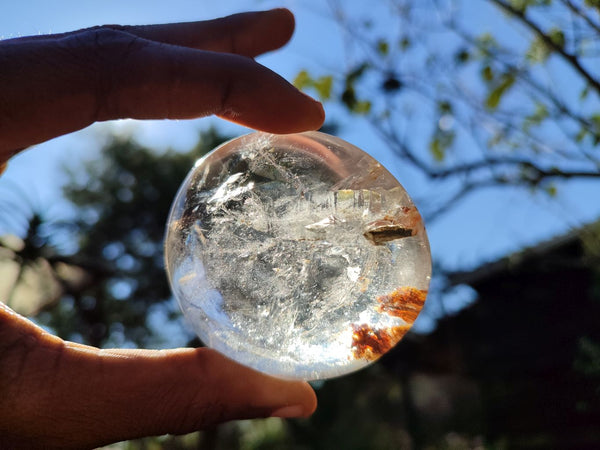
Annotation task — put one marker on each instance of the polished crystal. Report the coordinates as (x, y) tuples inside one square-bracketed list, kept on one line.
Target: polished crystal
[(298, 255)]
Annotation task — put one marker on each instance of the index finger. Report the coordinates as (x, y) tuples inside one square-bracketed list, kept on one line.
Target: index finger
[(248, 34), (58, 86)]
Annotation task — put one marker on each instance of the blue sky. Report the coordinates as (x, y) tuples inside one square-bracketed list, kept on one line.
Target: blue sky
[(483, 227)]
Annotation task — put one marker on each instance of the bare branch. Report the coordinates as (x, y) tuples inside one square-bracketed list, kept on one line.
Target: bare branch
[(400, 148), (529, 172), (579, 12), (450, 203)]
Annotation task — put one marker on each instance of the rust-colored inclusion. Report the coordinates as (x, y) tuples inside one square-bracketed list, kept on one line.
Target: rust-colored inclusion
[(405, 302), (370, 344)]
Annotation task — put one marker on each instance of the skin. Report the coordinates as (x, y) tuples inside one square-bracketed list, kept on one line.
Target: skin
[(60, 394)]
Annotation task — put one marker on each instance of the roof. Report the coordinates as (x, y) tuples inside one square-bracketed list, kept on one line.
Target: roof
[(587, 236)]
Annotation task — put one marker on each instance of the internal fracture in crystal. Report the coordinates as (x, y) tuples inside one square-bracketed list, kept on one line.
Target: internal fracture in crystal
[(298, 255)]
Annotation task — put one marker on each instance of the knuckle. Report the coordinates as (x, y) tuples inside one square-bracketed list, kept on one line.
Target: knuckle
[(189, 404), (103, 54), (102, 44)]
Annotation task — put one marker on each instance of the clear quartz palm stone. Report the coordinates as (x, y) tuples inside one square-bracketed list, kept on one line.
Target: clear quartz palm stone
[(298, 255)]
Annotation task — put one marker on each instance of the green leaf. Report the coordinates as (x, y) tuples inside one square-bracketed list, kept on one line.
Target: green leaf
[(593, 4), (437, 150), (495, 95), (595, 118), (520, 5), (383, 47), (444, 107), (580, 136), (302, 80), (486, 43), (405, 43), (355, 74), (486, 40), (494, 98), (551, 190), (353, 104), (538, 51), (323, 86), (362, 107), (487, 73), (537, 117), (348, 98), (557, 36), (440, 143)]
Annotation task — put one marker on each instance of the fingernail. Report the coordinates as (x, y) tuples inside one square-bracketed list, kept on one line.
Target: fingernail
[(288, 412)]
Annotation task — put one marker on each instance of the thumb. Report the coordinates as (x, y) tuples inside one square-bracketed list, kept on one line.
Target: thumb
[(60, 394), (182, 390)]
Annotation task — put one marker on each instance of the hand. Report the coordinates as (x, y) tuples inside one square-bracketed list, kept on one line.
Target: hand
[(60, 394), (52, 85)]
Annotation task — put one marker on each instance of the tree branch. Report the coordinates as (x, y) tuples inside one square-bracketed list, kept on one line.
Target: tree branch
[(400, 148), (571, 59), (525, 77), (536, 173), (579, 12)]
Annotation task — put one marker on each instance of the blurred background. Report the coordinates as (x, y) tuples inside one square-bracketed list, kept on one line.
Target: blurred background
[(487, 111)]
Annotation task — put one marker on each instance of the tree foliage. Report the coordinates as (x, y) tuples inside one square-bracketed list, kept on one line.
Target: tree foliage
[(509, 90), (122, 201)]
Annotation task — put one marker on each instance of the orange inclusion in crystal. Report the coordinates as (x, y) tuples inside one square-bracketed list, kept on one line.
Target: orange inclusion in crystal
[(405, 302), (370, 344)]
